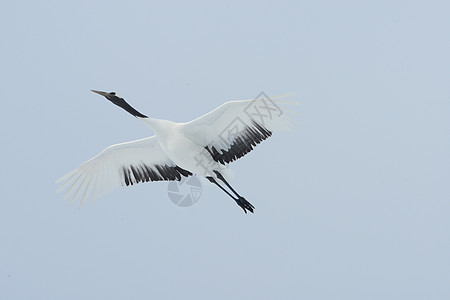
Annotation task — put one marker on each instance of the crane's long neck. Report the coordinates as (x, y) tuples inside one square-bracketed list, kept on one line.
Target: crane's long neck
[(160, 127), (123, 104)]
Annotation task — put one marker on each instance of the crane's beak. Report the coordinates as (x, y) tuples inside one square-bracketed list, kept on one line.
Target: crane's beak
[(101, 93)]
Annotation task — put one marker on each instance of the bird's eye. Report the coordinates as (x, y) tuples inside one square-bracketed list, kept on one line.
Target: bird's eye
[(113, 93)]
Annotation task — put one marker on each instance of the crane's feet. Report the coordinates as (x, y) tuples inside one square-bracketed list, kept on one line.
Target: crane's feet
[(244, 204)]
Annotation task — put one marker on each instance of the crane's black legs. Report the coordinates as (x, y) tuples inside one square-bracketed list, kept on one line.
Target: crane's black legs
[(241, 201), (221, 187)]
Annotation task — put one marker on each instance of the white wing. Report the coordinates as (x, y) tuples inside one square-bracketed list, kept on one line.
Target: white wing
[(234, 128), (119, 165)]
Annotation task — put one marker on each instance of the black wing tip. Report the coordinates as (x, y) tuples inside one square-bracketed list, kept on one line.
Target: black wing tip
[(144, 173), (244, 142)]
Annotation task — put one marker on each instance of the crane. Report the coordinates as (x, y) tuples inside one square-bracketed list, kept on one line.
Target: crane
[(203, 147)]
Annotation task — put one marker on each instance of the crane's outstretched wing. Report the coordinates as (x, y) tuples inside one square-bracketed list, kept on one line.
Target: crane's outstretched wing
[(234, 128), (119, 165)]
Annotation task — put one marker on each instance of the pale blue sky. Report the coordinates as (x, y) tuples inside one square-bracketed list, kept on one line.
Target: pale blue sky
[(354, 204)]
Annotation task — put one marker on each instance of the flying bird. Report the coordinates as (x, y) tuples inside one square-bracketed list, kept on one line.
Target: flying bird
[(203, 147)]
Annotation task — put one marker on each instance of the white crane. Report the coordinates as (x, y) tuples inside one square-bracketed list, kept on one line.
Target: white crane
[(203, 147)]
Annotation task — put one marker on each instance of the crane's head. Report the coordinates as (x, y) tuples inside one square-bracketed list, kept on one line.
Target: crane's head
[(110, 96), (120, 102)]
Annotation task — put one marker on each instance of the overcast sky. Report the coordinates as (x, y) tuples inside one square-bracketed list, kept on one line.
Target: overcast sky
[(352, 204)]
